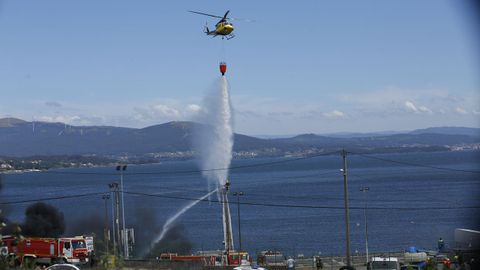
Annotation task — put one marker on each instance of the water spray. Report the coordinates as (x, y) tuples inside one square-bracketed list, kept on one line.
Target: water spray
[(168, 224), (214, 144), (213, 140)]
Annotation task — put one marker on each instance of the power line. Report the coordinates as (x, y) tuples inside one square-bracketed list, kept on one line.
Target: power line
[(270, 196), (243, 203), (399, 190), (183, 189), (414, 164), (304, 206), (263, 195), (53, 198)]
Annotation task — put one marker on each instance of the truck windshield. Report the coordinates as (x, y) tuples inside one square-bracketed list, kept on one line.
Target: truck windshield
[(78, 244)]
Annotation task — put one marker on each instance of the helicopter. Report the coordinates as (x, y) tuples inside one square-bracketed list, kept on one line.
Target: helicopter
[(223, 28)]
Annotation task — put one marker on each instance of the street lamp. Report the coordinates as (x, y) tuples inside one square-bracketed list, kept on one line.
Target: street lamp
[(114, 189), (121, 169), (238, 194), (365, 190), (347, 215), (105, 198)]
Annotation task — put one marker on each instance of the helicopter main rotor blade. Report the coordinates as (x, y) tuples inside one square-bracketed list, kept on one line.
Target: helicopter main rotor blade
[(225, 16), (205, 14), (241, 19)]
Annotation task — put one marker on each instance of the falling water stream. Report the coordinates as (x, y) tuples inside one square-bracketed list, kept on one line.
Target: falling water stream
[(214, 143)]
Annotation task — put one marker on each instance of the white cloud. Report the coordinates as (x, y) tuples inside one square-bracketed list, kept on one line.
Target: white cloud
[(158, 113), (165, 111), (394, 101), (155, 113), (460, 110), (70, 119), (335, 114), (58, 118), (388, 108), (410, 107), (193, 108), (424, 109)]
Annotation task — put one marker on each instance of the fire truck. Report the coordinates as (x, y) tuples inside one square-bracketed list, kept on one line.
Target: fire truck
[(47, 251), (210, 258), (236, 257), (272, 259)]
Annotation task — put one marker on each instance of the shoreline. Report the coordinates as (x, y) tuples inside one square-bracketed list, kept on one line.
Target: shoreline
[(235, 157)]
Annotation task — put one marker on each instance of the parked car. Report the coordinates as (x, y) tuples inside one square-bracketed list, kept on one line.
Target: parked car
[(62, 266)]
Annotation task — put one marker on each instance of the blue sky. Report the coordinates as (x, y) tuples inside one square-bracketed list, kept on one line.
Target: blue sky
[(302, 66)]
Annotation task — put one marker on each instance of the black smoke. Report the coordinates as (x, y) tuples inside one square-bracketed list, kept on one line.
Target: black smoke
[(2, 207), (146, 229), (175, 241), (92, 224), (43, 220), (4, 210)]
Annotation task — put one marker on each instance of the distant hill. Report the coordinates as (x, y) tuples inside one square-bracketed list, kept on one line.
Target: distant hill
[(387, 143), (449, 131), (433, 130), (361, 134), (22, 138), (10, 122)]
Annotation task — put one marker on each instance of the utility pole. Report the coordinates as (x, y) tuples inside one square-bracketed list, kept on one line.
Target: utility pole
[(347, 217), (117, 210), (105, 198), (227, 221), (365, 190), (113, 187), (122, 168), (238, 194)]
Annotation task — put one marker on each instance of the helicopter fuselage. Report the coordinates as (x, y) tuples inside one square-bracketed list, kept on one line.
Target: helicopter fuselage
[(223, 29)]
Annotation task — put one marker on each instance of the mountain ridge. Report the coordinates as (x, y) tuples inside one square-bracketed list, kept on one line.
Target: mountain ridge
[(23, 138)]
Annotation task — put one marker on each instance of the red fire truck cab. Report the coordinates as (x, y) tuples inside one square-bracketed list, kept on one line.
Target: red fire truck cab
[(46, 250)]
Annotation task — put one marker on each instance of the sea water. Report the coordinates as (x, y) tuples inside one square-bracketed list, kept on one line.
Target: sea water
[(311, 182)]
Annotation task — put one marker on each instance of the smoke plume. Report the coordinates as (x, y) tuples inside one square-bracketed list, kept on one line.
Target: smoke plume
[(4, 210), (214, 140), (174, 241), (43, 220), (92, 224), (171, 222), (145, 227)]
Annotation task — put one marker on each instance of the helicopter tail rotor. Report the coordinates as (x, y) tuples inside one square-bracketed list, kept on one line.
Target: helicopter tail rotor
[(205, 28)]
